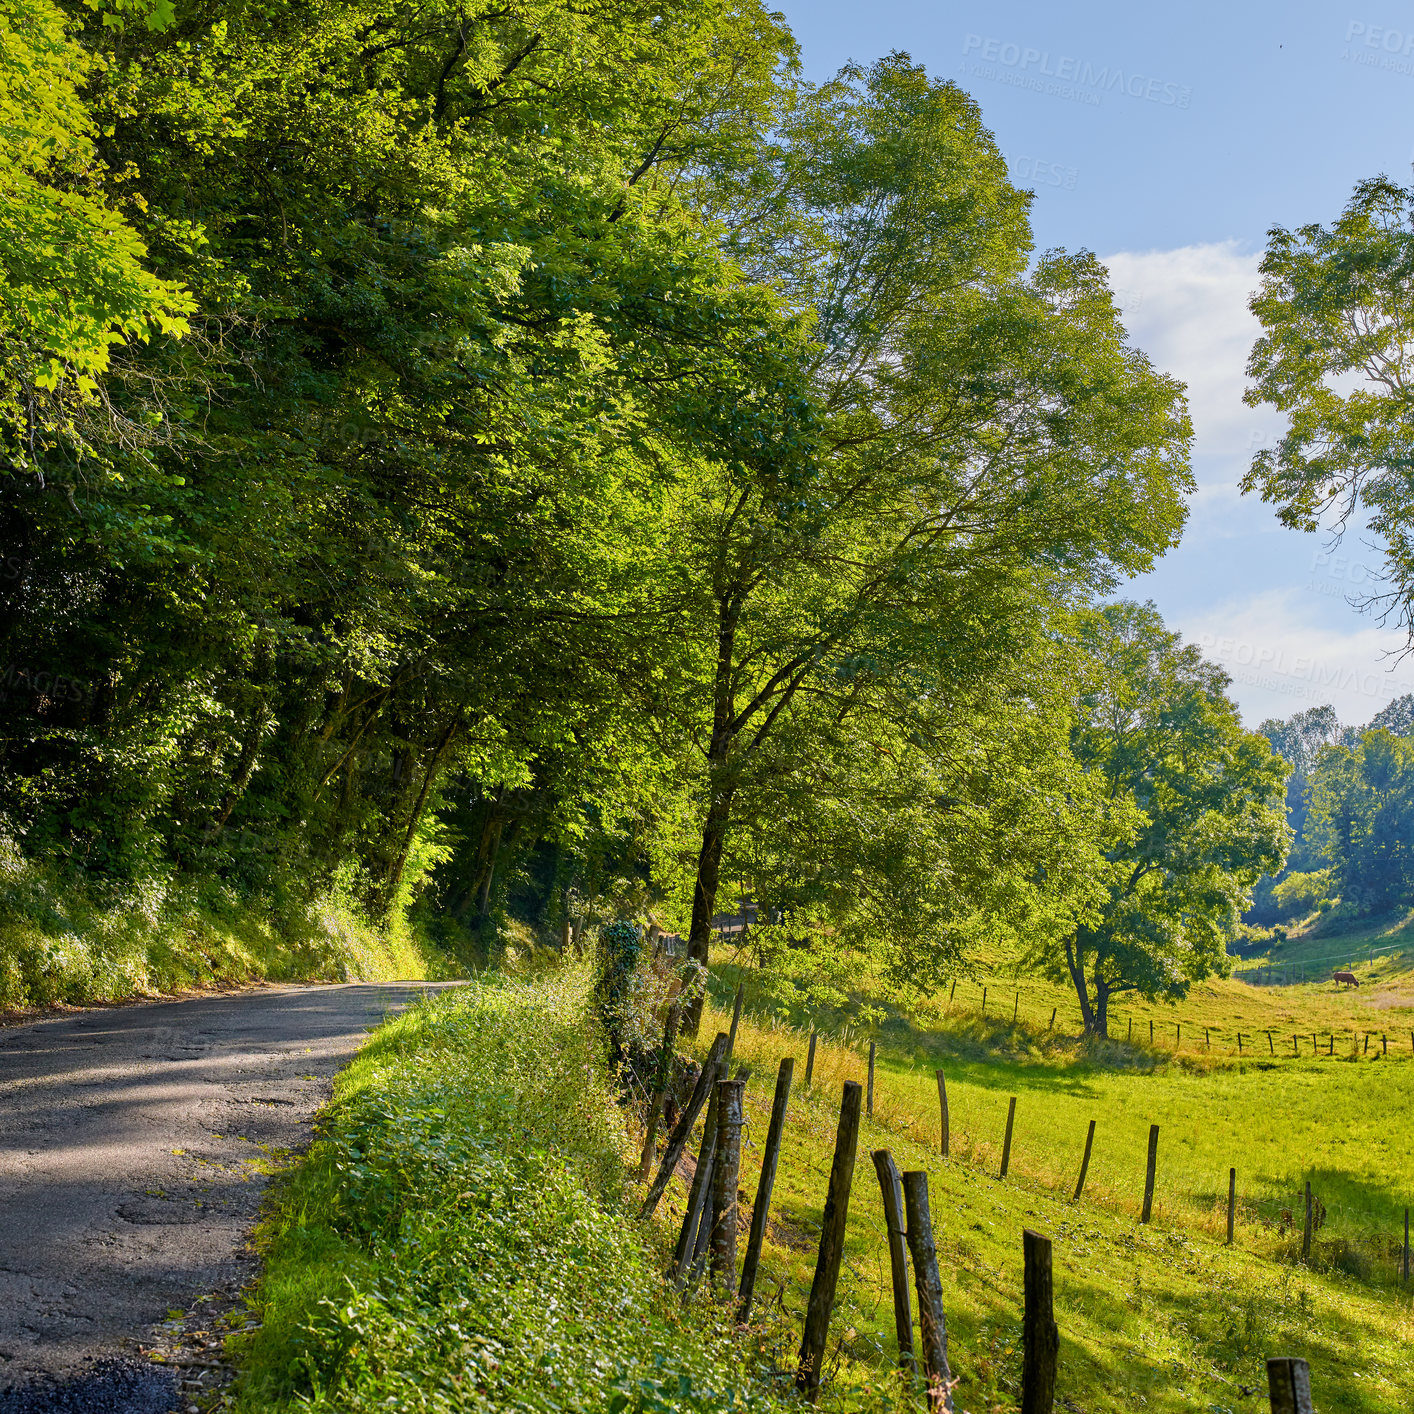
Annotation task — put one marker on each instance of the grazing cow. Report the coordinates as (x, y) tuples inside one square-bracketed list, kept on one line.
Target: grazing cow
[(1349, 977)]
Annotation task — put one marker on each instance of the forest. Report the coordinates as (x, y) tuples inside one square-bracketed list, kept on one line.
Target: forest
[(564, 463)]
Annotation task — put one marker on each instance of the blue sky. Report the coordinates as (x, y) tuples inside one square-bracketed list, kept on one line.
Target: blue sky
[(1168, 140)]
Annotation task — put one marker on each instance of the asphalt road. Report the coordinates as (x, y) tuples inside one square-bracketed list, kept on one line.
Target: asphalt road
[(131, 1146)]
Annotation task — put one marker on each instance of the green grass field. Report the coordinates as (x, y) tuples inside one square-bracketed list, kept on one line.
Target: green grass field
[(1165, 1316)]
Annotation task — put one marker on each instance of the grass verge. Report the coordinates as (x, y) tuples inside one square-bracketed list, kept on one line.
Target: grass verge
[(460, 1236)]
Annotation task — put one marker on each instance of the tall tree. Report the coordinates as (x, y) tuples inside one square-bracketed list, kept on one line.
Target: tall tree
[(1197, 815), (990, 442), (1336, 356)]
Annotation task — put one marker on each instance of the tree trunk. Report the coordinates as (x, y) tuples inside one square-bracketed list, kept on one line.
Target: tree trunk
[(1075, 963), (395, 873), (704, 896), (719, 808), (1102, 1009)]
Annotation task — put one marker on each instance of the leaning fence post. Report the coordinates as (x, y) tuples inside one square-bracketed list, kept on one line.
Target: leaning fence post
[(892, 1188), (984, 1001), (1050, 1025), (943, 1107), (726, 1174), (932, 1325), (677, 1142), (769, 1159), (1231, 1203), (869, 1099), (810, 1058), (1084, 1163), (827, 1264), (1289, 1386), (1306, 1226), (692, 1239), (1006, 1143), (1149, 1172), (1040, 1338)]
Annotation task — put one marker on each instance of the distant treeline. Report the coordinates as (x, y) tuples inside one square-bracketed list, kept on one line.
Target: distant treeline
[(1350, 805)]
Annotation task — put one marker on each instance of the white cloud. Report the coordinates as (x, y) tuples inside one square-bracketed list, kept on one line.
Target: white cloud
[(1187, 309), (1281, 662)]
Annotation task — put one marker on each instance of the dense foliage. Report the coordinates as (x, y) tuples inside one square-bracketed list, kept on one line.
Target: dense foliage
[(558, 459), (1349, 809)]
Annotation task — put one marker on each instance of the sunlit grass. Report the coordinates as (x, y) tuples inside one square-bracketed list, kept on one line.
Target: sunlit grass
[(1164, 1317)]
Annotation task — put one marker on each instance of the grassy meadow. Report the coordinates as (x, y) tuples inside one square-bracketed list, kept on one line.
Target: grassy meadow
[(1165, 1317), (464, 1235)]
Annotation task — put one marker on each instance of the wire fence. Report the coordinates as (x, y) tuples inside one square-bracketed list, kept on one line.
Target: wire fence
[(1272, 974), (1004, 1001)]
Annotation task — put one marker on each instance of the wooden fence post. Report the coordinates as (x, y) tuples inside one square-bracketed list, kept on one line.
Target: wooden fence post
[(943, 1107), (1207, 1040), (1006, 1143), (1040, 1338), (1306, 1225), (953, 992), (660, 1090), (1289, 1386), (736, 1018), (1231, 1203), (1239, 1043), (1131, 1028), (1151, 1031), (827, 1265), (1149, 1173), (1271, 1049), (1015, 1007), (1051, 1024), (932, 1324), (692, 1238), (769, 1160), (677, 1141), (810, 1059), (1084, 1163), (726, 1175), (892, 1188), (1384, 1044), (869, 1099), (1406, 1244), (1295, 1047), (1178, 1035), (984, 1001)]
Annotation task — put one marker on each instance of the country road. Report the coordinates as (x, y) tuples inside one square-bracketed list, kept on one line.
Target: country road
[(131, 1146)]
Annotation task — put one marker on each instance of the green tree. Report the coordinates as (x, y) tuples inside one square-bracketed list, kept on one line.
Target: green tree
[(990, 443), (1362, 820), (1197, 814), (459, 343), (1336, 356), (74, 277)]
